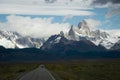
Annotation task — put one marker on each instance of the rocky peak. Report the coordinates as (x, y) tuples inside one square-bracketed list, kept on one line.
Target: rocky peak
[(62, 33), (15, 40), (84, 28), (99, 35), (116, 46), (9, 34), (104, 35), (72, 33), (83, 25)]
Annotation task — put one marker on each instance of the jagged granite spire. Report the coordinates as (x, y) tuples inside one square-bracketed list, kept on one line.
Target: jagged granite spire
[(83, 26), (72, 33)]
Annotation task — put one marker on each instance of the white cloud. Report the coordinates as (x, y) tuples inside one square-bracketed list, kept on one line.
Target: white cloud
[(93, 23), (35, 27), (115, 32), (40, 7), (67, 17), (114, 9)]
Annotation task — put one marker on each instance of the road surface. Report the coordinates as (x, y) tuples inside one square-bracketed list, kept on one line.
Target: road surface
[(38, 74)]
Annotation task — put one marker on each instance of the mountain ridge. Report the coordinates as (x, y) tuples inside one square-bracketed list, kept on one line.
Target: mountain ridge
[(10, 39), (98, 37), (75, 33)]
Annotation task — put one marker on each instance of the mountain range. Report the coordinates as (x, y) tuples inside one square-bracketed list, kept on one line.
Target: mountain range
[(83, 39), (10, 39), (80, 42), (78, 37)]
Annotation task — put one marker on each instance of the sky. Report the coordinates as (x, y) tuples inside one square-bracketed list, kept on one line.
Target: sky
[(43, 18)]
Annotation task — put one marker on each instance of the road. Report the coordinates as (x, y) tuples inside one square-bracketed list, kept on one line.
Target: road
[(38, 74)]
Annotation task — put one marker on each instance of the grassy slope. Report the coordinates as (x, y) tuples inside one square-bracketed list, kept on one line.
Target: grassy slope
[(80, 70)]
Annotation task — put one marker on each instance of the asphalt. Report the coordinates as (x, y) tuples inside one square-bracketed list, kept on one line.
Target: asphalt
[(41, 73)]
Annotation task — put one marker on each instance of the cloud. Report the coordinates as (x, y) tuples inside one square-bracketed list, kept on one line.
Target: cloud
[(103, 2), (35, 27), (67, 17), (93, 23), (100, 2), (50, 1), (112, 5), (58, 7), (114, 9), (47, 7), (115, 32)]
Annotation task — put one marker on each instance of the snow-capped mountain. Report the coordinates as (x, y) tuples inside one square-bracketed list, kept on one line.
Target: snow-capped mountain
[(15, 40), (58, 43), (83, 32), (116, 46), (76, 33)]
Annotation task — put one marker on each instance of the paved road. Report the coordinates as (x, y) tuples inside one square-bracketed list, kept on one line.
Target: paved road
[(38, 74)]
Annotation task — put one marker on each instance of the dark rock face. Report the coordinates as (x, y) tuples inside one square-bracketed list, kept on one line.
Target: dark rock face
[(116, 46), (65, 45)]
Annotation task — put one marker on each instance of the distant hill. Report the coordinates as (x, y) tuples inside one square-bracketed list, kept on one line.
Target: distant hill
[(33, 54)]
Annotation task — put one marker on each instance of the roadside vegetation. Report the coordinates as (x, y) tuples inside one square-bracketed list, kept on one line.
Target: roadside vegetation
[(76, 70)]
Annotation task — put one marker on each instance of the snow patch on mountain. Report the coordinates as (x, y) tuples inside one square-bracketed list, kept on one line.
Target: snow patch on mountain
[(10, 39), (98, 37), (76, 33), (6, 43)]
